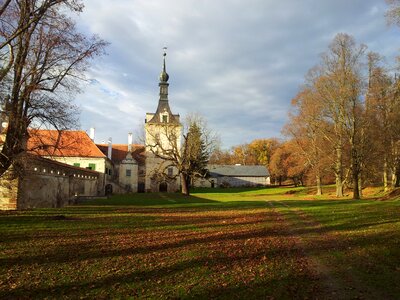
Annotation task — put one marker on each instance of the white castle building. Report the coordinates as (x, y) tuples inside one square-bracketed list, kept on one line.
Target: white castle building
[(125, 167)]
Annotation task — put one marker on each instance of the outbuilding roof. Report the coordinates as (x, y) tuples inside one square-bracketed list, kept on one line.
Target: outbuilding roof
[(119, 152), (237, 171)]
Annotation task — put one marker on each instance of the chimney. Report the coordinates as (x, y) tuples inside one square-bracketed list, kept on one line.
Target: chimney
[(91, 133), (109, 152), (130, 140)]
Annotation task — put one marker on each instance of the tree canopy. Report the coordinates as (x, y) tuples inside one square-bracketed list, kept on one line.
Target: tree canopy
[(43, 60)]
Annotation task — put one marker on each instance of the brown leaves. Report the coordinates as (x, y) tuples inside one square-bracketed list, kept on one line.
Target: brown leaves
[(179, 253)]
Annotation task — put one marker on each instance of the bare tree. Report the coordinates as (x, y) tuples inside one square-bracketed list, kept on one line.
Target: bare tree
[(12, 26), (340, 87), (190, 157), (50, 58), (379, 110), (393, 13), (394, 120)]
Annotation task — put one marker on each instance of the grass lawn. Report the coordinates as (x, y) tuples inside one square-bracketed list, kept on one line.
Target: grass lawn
[(276, 243)]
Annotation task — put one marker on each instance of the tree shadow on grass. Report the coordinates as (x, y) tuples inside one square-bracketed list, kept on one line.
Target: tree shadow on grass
[(287, 286), (230, 190), (89, 251), (148, 199), (74, 252), (86, 250), (154, 275)]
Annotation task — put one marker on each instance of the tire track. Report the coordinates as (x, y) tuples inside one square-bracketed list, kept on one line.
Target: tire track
[(329, 286), (347, 286)]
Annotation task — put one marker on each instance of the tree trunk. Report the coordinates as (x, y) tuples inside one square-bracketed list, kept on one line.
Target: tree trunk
[(355, 174), (396, 174), (339, 172), (356, 191), (385, 174), (184, 185), (393, 177), (319, 187)]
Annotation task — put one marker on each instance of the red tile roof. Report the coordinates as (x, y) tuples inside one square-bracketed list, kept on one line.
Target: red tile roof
[(119, 152), (68, 143)]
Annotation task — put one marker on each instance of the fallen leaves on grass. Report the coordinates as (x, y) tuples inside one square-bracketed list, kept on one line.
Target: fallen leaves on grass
[(196, 252)]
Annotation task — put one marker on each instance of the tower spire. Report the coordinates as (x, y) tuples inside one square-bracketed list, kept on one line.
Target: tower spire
[(164, 75), (163, 113), (165, 54)]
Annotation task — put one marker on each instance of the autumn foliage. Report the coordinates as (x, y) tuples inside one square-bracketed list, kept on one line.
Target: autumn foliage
[(344, 119), (342, 126)]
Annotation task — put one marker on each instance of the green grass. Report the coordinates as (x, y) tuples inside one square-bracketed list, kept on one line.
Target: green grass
[(280, 243)]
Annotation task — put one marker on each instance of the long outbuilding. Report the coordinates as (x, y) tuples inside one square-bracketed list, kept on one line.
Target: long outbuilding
[(235, 176)]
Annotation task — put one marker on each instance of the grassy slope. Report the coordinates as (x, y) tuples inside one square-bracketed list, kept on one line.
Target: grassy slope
[(230, 244)]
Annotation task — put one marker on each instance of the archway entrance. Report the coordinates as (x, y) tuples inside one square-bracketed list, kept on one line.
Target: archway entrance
[(108, 189), (163, 187), (141, 187)]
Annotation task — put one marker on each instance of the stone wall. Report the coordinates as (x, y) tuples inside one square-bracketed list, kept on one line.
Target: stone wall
[(8, 191), (47, 183)]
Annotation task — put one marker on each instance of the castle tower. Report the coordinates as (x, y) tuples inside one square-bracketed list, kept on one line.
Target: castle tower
[(163, 133)]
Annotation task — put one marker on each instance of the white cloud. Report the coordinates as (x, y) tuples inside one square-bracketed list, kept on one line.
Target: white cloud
[(237, 63)]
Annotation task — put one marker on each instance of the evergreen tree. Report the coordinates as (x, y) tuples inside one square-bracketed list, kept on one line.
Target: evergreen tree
[(196, 153)]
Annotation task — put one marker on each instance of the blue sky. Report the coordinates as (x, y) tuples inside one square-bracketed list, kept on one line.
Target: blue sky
[(236, 63)]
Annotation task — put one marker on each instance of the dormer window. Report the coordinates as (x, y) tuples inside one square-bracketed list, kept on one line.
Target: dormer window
[(164, 118)]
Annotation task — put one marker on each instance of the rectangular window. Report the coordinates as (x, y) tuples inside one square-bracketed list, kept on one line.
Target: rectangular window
[(92, 167), (170, 171), (165, 118), (77, 164), (128, 172), (109, 172)]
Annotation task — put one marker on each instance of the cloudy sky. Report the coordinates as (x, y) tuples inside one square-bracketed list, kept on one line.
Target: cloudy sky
[(237, 63)]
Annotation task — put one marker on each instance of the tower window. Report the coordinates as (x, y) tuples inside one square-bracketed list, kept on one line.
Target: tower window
[(170, 171), (128, 172), (165, 118)]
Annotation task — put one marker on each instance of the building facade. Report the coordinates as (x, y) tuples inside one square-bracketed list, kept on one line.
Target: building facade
[(130, 168), (163, 132), (235, 176), (125, 168)]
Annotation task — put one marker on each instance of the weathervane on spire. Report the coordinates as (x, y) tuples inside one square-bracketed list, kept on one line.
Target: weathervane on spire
[(165, 51)]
